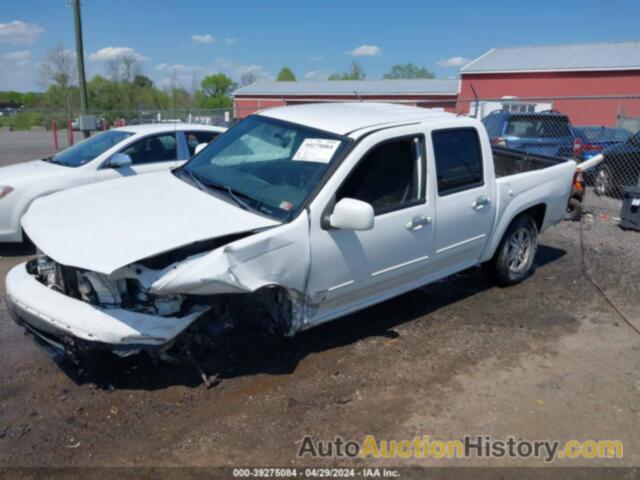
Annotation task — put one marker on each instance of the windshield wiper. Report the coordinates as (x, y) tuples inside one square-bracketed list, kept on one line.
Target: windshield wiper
[(219, 186), (193, 177)]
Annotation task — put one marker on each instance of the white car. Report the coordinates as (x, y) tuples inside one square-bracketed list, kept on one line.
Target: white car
[(296, 216), (112, 154)]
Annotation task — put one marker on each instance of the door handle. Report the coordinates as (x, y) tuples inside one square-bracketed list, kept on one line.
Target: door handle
[(480, 202), (418, 222)]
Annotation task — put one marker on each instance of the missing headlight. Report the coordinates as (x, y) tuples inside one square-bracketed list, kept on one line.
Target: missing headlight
[(101, 290)]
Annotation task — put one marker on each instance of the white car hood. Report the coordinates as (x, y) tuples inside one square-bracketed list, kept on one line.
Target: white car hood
[(28, 170), (105, 226)]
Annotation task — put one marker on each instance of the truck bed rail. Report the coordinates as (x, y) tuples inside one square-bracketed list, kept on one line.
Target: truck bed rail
[(508, 161)]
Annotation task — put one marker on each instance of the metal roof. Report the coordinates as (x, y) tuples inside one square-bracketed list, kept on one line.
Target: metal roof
[(558, 58), (345, 117), (168, 127), (430, 86)]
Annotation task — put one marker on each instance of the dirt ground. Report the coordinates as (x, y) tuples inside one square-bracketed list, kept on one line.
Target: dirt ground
[(548, 359)]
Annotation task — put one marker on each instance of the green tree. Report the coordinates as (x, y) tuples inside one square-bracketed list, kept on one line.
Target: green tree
[(26, 99), (215, 91), (142, 81), (31, 99), (286, 75), (407, 70), (355, 72), (104, 94), (58, 97)]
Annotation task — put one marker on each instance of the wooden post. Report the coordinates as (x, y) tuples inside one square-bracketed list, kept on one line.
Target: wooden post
[(54, 133), (69, 134)]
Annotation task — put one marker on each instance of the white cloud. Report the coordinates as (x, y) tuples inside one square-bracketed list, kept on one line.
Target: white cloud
[(109, 53), (205, 38), (178, 67), (17, 72), (317, 75), (222, 63), (21, 57), (230, 41), (453, 62), (366, 51), (256, 70), (19, 32), (316, 58)]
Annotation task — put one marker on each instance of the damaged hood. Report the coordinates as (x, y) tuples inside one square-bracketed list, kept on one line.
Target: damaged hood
[(105, 226)]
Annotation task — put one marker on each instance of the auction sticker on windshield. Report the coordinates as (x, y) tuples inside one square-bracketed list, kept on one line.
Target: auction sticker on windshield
[(319, 150)]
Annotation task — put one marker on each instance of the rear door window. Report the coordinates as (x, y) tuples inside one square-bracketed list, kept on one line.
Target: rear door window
[(154, 148), (540, 126), (196, 138), (458, 159)]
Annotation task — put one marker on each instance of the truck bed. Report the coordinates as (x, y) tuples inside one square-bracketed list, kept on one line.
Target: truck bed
[(525, 180), (508, 161)]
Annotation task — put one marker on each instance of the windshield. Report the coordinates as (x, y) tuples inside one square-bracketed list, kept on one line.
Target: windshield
[(540, 126), (88, 149), (602, 134), (269, 165)]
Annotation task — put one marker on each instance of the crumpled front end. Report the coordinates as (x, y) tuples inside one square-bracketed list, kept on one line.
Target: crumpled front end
[(64, 309), (149, 304)]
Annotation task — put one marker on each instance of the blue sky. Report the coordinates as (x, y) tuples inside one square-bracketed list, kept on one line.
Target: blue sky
[(313, 38)]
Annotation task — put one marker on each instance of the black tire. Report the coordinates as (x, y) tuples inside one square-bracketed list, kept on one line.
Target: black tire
[(574, 210), (513, 260)]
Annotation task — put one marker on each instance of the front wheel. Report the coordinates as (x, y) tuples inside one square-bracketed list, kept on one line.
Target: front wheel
[(513, 261)]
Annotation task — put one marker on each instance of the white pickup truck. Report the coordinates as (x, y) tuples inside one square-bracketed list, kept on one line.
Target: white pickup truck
[(299, 215)]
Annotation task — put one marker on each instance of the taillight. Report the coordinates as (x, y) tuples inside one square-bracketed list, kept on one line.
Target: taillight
[(577, 146), (592, 148), (501, 142), (578, 181)]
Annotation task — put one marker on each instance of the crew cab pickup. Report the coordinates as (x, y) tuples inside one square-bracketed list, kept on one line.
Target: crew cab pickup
[(295, 216)]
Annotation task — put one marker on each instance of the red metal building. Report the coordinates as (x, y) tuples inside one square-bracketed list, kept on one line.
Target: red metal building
[(556, 75)]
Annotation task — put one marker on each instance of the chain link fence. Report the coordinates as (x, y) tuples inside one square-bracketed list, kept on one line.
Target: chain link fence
[(31, 118), (580, 128)]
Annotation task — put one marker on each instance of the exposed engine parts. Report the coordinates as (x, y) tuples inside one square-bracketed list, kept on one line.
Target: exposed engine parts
[(100, 290)]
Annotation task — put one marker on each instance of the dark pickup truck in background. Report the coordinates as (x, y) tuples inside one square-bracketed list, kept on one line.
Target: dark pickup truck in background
[(545, 133)]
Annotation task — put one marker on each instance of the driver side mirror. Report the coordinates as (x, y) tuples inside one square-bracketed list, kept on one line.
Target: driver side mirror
[(120, 160), (352, 214), (199, 148)]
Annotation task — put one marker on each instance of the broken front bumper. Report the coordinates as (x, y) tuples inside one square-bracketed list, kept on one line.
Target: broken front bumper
[(54, 317)]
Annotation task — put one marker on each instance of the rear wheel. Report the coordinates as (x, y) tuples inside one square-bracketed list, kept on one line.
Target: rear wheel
[(513, 261)]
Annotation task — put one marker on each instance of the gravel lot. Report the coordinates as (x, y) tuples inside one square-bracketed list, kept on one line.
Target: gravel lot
[(548, 359)]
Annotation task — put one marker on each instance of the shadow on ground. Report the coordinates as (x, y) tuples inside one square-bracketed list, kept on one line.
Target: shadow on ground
[(278, 356)]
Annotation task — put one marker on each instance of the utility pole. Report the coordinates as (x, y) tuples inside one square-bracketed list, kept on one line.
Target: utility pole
[(84, 102)]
